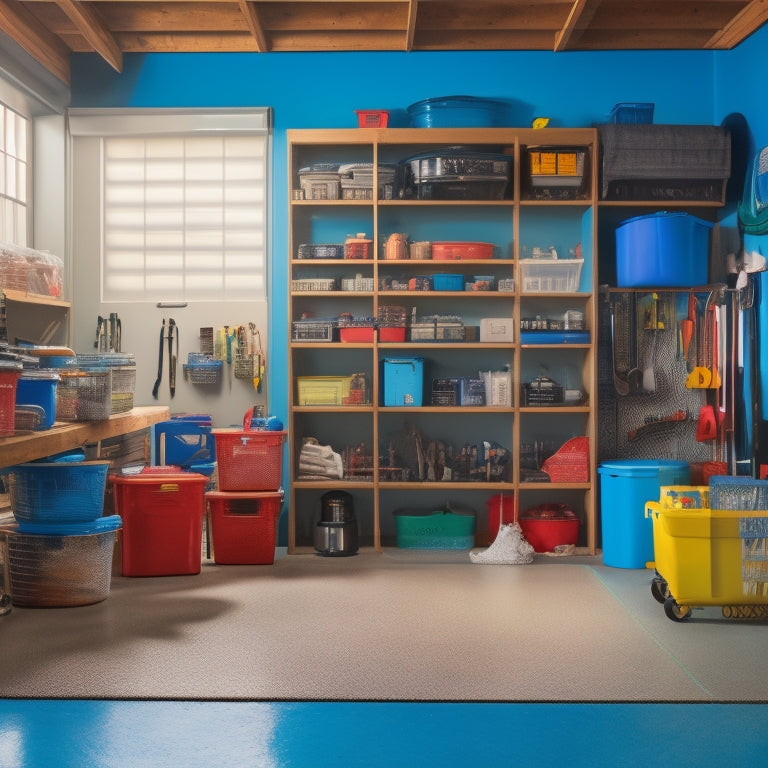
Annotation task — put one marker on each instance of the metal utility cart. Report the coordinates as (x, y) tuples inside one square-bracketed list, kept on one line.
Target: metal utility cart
[(708, 557)]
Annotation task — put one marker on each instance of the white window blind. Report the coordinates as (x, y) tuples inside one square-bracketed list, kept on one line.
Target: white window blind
[(184, 205), (14, 170)]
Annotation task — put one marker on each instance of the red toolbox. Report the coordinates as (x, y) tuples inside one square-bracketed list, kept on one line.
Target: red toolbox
[(162, 522), (244, 526)]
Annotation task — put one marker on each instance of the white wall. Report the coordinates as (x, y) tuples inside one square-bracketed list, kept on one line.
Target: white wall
[(141, 322)]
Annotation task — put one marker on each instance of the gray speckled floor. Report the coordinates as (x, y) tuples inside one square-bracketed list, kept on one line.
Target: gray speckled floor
[(396, 626)]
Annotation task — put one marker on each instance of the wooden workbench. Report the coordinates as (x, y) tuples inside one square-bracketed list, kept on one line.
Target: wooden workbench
[(64, 436)]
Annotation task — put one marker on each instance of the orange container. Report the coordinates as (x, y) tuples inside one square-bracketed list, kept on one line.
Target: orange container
[(162, 522), (244, 526), (458, 251)]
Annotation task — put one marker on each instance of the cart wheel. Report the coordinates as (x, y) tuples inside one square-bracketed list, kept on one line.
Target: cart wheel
[(659, 589), (677, 612)]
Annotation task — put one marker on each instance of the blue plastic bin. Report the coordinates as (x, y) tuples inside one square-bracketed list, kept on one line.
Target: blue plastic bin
[(403, 379), (184, 443), (625, 486), (662, 250), (39, 388)]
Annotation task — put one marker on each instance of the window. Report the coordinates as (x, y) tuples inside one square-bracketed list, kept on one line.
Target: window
[(184, 205), (14, 134)]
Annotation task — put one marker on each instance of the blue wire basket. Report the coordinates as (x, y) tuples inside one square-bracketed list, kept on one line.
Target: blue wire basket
[(53, 492)]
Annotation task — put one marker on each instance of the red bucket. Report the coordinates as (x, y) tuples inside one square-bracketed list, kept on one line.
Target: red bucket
[(501, 509)]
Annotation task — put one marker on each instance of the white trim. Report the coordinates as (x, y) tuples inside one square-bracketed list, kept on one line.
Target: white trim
[(154, 122)]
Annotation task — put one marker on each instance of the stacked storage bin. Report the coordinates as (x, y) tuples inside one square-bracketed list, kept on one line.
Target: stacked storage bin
[(60, 547), (244, 512)]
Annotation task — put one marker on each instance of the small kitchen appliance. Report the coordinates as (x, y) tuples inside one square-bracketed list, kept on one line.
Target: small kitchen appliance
[(336, 532)]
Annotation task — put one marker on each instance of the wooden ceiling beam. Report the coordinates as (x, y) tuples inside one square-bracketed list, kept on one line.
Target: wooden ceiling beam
[(91, 27), (741, 26), (410, 30), (254, 24), (578, 19), (25, 30)]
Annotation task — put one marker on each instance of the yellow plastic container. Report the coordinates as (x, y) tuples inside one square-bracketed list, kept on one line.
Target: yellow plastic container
[(699, 554)]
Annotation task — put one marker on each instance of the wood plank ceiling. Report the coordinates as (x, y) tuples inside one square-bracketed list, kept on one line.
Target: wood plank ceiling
[(51, 30)]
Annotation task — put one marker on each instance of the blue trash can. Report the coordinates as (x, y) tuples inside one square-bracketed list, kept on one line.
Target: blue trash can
[(625, 486)]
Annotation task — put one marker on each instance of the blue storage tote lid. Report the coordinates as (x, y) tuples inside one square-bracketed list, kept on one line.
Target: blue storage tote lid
[(99, 525), (640, 467)]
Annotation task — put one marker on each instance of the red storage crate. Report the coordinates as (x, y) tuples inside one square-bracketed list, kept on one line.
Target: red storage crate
[(9, 379), (249, 460), (162, 522), (244, 526)]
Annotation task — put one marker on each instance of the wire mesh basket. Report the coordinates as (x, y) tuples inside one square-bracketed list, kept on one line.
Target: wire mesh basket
[(201, 369), (84, 395), (57, 492)]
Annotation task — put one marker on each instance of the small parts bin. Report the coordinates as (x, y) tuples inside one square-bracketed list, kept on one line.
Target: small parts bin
[(710, 557), (244, 526), (162, 522), (626, 485)]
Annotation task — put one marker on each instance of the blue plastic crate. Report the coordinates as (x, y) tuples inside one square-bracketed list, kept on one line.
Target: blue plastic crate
[(632, 113), (728, 492)]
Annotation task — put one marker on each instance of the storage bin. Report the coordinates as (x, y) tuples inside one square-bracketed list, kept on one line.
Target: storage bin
[(665, 162), (705, 557), (549, 526), (626, 485), (456, 112), (461, 250), (731, 492), (550, 275), (392, 334), (372, 118), (662, 250), (249, 460), (39, 388), (441, 529), (403, 381), (57, 492), (10, 373), (497, 329), (356, 333), (84, 395), (320, 181), (555, 173), (123, 379), (244, 526), (162, 522), (448, 282), (66, 567), (322, 390), (629, 113), (501, 510)]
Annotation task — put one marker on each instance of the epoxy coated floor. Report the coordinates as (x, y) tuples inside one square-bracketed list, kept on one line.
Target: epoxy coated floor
[(168, 734)]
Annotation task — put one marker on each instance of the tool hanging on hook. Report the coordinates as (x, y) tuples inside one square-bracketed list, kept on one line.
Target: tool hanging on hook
[(169, 336)]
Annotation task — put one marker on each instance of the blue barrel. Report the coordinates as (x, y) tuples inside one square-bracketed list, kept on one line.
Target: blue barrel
[(625, 486)]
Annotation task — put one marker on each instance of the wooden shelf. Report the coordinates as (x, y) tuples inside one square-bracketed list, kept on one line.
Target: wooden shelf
[(64, 436)]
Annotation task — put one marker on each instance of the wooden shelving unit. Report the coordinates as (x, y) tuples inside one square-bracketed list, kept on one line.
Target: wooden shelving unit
[(522, 220)]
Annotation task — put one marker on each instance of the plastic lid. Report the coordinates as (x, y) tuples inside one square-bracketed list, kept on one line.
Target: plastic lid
[(99, 525), (645, 467)]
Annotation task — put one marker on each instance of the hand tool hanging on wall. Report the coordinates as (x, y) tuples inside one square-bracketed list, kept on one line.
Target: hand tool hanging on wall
[(168, 335), (172, 359), (159, 378)]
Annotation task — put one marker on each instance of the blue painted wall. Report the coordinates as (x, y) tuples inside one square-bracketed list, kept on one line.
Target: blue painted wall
[(322, 90)]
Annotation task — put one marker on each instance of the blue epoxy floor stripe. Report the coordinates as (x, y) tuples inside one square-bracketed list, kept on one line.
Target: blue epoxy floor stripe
[(175, 734)]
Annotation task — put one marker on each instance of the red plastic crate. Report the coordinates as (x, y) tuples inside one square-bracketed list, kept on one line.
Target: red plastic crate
[(359, 333), (461, 250), (392, 333), (162, 522), (244, 526), (249, 460), (8, 383), (372, 118)]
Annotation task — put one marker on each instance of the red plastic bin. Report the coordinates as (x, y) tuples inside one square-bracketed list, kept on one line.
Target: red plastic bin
[(249, 460), (9, 379), (162, 522), (244, 526)]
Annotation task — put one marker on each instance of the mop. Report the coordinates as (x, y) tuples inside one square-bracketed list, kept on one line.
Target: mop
[(510, 547)]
